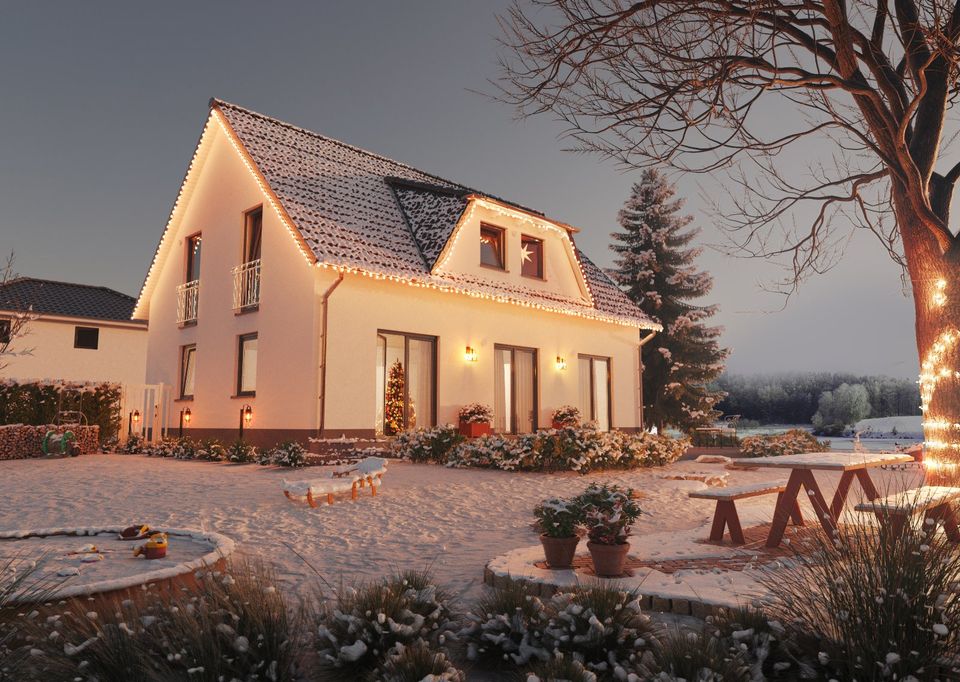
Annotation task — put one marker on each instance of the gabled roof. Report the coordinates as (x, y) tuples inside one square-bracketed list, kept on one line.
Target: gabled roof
[(47, 297), (356, 211)]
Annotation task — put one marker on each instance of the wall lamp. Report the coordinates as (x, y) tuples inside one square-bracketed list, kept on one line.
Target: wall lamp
[(185, 416), (470, 354), (246, 416), (561, 363)]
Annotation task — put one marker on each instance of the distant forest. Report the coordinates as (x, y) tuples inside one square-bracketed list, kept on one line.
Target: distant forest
[(793, 398)]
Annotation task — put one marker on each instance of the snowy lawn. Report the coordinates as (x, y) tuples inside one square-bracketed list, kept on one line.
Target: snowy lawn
[(455, 519)]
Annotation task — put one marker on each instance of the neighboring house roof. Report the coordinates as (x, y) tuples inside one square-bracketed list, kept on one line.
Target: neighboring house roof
[(357, 211), (47, 297)]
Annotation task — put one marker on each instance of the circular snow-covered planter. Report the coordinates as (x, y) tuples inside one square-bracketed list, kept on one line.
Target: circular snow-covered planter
[(698, 592), (88, 562)]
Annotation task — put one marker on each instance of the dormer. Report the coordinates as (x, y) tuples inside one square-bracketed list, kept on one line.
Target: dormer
[(508, 246)]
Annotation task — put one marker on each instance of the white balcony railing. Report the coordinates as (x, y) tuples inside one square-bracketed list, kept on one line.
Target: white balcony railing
[(187, 297), (246, 285)]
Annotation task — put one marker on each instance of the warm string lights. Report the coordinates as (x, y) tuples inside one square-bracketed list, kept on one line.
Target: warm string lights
[(427, 282), (934, 370)]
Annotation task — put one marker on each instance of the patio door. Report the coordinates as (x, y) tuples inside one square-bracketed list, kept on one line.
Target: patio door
[(515, 386), (595, 390), (406, 382)]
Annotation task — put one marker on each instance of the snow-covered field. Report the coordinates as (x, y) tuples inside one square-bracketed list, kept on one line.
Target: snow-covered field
[(456, 520)]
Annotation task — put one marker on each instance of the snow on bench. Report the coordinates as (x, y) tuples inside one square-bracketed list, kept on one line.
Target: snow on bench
[(343, 479), (726, 516), (933, 501), (741, 491)]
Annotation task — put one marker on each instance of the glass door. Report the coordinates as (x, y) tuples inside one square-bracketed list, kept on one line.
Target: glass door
[(515, 385), (406, 382), (595, 390)]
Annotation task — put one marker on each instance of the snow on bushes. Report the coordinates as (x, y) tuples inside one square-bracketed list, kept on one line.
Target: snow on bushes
[(582, 449), (287, 454), (368, 626), (241, 452), (608, 513), (476, 413), (599, 627), (792, 442), (417, 663), (568, 415)]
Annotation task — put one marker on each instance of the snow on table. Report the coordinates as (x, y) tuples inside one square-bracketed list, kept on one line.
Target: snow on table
[(828, 461), (66, 556)]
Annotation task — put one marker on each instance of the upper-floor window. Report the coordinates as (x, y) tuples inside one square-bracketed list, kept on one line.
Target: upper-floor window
[(531, 257), (188, 370), (252, 231), (247, 365), (86, 337), (491, 246), (194, 243)]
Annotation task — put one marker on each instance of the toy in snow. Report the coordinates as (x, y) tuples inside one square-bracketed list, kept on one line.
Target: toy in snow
[(60, 444), (137, 531), (154, 548)]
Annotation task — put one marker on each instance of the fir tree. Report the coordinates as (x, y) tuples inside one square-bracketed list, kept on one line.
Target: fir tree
[(393, 402), (655, 267)]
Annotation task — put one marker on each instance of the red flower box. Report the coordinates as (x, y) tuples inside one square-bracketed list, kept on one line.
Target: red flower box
[(474, 429)]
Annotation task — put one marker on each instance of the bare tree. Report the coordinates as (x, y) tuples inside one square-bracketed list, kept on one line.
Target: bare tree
[(726, 86), (15, 320)]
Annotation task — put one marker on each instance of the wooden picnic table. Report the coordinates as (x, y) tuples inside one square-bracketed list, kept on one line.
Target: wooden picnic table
[(851, 464)]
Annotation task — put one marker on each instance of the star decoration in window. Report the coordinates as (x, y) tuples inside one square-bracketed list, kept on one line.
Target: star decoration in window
[(525, 254)]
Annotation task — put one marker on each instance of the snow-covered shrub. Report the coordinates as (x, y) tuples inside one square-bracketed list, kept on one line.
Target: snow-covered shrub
[(133, 445), (756, 640), (872, 603), (359, 631), (561, 668), (427, 445), (689, 656), (568, 415), (210, 451), (505, 628), (417, 663), (162, 448), (608, 513), (792, 442), (184, 448), (476, 413), (582, 449), (241, 452), (287, 454), (603, 628), (234, 625), (558, 518)]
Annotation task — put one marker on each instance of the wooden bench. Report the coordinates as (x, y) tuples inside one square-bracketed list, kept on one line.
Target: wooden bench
[(726, 515), (934, 502)]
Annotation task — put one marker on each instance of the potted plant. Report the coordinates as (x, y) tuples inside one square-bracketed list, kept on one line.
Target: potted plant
[(558, 521), (609, 513), (475, 420), (565, 417)]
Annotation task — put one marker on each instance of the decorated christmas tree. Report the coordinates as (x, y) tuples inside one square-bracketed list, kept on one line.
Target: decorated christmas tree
[(393, 401), (655, 267)]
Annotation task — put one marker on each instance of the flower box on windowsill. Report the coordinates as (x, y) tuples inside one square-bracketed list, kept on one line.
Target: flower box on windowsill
[(474, 429)]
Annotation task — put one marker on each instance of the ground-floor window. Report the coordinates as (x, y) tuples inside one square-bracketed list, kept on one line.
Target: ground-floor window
[(515, 386), (406, 381), (595, 390), (247, 365)]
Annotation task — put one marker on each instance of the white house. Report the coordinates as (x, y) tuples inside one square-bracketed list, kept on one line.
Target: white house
[(79, 333), (315, 286)]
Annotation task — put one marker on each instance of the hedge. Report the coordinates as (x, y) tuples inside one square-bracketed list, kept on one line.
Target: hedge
[(38, 403)]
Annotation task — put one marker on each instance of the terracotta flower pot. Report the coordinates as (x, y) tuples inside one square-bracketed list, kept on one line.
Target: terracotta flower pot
[(557, 424), (559, 552), (474, 429), (608, 560)]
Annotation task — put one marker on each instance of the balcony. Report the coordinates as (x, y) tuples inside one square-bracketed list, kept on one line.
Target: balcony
[(187, 297), (246, 286)]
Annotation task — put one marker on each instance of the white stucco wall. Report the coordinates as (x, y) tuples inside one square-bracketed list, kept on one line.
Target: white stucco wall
[(120, 356), (285, 320), (361, 306)]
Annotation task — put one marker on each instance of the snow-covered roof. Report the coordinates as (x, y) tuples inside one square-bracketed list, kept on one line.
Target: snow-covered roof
[(357, 211)]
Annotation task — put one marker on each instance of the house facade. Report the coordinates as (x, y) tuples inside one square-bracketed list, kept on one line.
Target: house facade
[(76, 332), (304, 287)]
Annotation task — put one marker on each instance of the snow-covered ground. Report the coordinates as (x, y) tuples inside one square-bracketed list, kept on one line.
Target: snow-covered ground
[(453, 519), (891, 427)]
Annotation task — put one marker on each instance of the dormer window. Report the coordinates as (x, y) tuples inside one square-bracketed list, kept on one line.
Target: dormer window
[(531, 257), (491, 247)]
